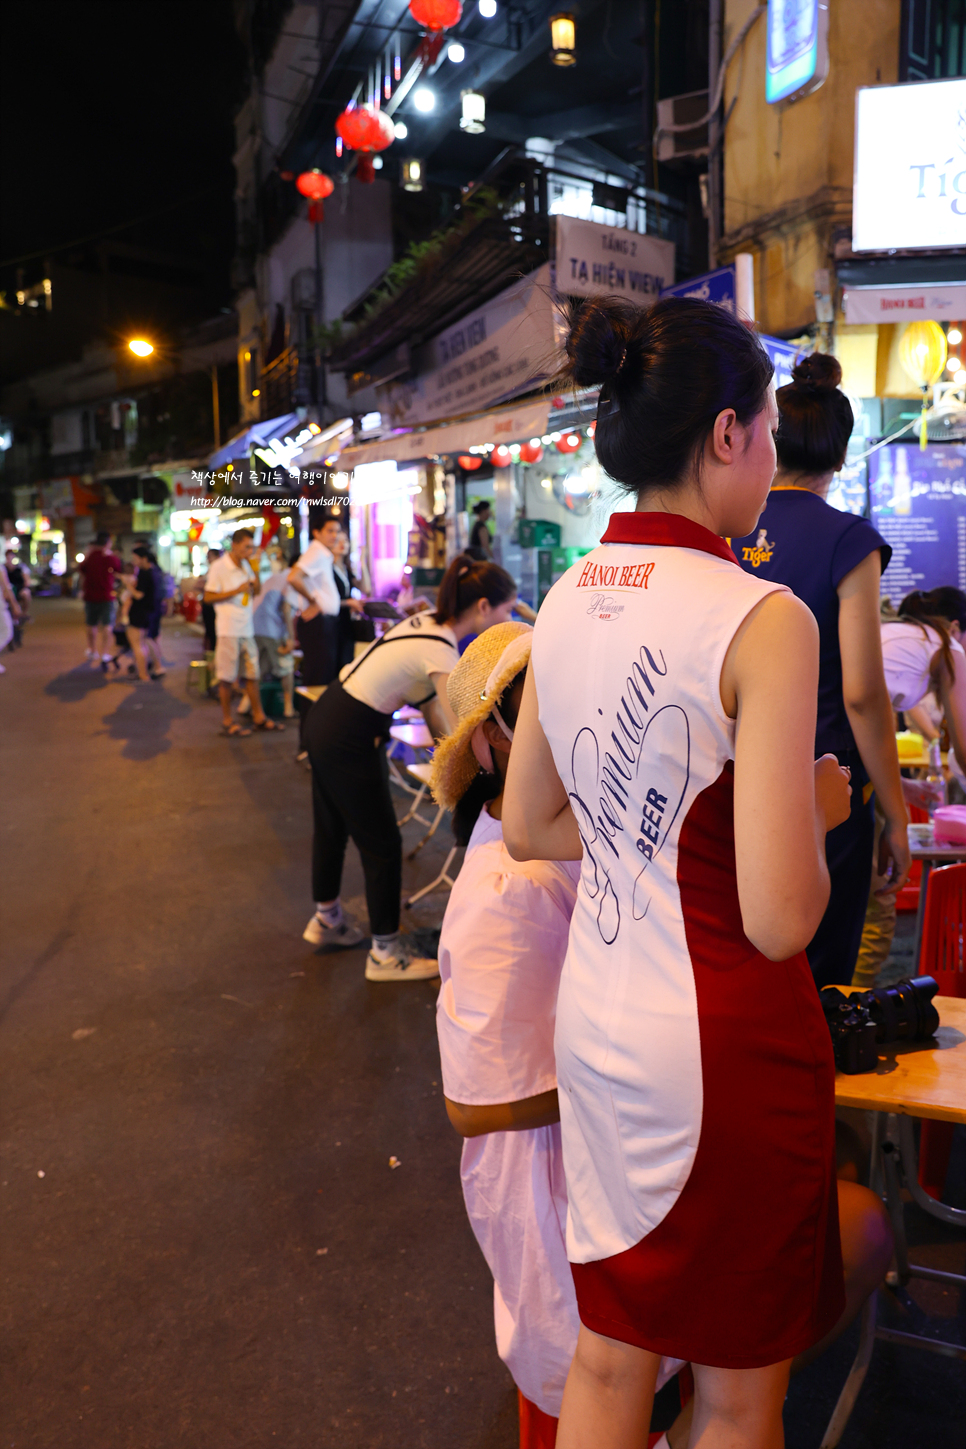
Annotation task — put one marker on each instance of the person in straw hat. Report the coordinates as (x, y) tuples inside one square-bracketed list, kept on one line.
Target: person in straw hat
[(502, 945)]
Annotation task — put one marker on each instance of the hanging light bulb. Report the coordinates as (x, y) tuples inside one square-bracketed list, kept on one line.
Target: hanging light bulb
[(563, 39), (474, 113), (413, 174), (487, 9), (401, 130)]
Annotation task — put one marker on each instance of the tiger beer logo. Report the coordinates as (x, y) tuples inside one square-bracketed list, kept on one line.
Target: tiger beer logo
[(760, 551), (615, 576)]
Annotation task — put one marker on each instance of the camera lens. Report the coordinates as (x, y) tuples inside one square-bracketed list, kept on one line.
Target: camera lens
[(903, 1011)]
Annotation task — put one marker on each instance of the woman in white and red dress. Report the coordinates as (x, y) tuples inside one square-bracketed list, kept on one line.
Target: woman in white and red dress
[(694, 1063)]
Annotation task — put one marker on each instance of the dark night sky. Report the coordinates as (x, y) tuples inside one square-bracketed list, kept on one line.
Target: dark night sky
[(111, 111)]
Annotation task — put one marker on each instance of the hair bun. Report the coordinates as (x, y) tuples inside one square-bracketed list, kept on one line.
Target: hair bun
[(818, 371), (597, 345)]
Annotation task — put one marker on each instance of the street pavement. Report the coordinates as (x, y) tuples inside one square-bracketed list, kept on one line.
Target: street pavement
[(203, 1241)]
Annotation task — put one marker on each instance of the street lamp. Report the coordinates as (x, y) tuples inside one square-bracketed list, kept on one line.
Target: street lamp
[(140, 347)]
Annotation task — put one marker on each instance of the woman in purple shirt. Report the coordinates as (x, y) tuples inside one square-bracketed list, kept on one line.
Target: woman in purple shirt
[(833, 561)]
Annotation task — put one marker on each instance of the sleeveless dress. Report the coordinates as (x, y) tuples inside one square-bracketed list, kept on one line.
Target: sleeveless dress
[(696, 1076)]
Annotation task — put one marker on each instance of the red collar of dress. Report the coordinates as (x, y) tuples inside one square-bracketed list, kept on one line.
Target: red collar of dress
[(665, 528)]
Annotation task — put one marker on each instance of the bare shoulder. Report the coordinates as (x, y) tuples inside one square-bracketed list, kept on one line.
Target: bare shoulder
[(776, 637)]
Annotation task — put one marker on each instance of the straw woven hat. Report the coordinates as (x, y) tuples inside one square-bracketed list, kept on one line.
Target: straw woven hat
[(490, 663)]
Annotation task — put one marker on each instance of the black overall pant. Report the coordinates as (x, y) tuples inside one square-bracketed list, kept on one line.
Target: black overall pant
[(833, 950), (350, 797)]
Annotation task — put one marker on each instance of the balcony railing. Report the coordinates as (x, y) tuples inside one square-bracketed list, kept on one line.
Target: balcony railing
[(287, 383)]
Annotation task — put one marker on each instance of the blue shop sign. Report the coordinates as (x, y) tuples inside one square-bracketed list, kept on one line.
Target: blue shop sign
[(718, 287), (782, 357)]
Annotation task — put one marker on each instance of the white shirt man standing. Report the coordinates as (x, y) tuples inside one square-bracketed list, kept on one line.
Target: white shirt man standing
[(318, 625), (231, 586)]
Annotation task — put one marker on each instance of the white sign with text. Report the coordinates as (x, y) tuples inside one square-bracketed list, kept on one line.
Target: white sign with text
[(495, 353), (910, 166), (593, 260)]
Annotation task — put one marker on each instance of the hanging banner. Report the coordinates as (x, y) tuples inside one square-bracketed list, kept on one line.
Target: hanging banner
[(510, 425), (594, 260), (919, 506), (495, 353), (944, 303)]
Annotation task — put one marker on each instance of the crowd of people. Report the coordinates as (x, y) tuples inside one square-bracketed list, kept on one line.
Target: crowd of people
[(683, 812)]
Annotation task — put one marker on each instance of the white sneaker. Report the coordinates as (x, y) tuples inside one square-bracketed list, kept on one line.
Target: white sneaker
[(405, 965), (332, 938)]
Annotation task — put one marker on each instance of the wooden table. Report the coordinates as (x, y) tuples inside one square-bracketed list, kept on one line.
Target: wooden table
[(918, 1079), (915, 1079), (311, 692)]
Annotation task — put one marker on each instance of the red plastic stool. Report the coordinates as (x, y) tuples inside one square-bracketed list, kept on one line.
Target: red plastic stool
[(943, 955)]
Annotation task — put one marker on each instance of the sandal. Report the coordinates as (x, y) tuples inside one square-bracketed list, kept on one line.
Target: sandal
[(234, 732), (271, 726)]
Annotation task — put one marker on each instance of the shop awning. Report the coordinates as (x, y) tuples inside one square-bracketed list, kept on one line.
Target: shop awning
[(940, 302), (254, 437), (502, 425)]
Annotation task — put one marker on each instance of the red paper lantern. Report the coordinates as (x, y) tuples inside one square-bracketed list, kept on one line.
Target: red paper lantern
[(501, 457), (436, 14), (569, 443), (469, 463), (315, 185), (365, 129), (530, 452)]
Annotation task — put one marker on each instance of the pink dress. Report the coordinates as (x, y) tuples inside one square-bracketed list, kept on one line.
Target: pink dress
[(502, 946)]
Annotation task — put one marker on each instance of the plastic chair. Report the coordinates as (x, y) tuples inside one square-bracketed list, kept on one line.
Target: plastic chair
[(908, 898), (943, 955)]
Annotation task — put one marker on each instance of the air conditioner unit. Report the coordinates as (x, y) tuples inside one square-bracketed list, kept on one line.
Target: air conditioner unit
[(678, 111)]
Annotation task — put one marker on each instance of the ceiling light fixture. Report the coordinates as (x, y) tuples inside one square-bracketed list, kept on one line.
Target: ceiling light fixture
[(455, 52), (413, 174), (474, 113), (488, 9), (401, 130), (563, 39), (424, 100)]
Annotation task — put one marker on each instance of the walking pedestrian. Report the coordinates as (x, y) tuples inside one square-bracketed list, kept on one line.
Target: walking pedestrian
[(18, 580), (274, 638), (346, 731), (140, 611), (666, 738), (98, 570), (208, 610), (9, 612), (231, 586)]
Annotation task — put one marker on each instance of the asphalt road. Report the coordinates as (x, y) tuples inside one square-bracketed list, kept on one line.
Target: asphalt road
[(203, 1242)]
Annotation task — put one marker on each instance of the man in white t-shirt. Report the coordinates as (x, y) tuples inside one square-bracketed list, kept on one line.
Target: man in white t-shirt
[(231, 586), (314, 579)]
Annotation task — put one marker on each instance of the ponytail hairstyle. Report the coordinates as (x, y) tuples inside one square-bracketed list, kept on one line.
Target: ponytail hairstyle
[(665, 375), (816, 417), (949, 603), (922, 609), (468, 580)]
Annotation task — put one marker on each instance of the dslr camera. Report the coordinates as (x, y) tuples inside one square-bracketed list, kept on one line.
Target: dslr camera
[(861, 1022)]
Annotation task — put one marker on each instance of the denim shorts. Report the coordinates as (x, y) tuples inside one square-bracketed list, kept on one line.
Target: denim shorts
[(98, 611)]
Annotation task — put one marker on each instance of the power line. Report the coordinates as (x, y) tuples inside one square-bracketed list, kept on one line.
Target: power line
[(108, 231)]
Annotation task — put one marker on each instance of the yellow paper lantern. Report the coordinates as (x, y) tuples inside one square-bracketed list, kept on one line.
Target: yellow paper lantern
[(922, 352)]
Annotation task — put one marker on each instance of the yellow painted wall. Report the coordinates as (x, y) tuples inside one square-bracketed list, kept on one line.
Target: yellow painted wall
[(788, 170)]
